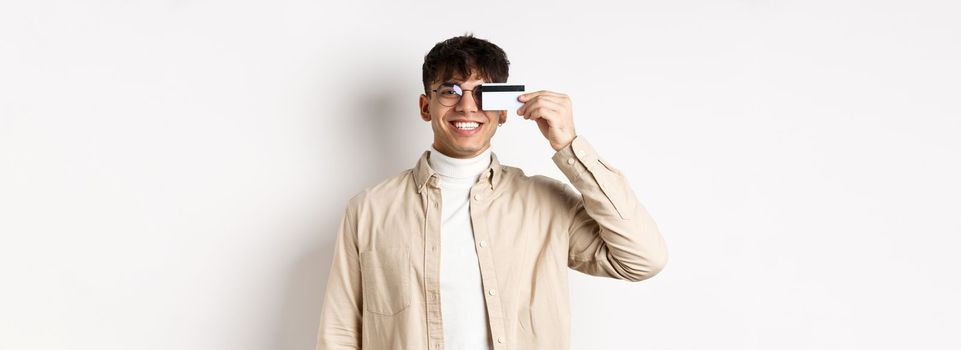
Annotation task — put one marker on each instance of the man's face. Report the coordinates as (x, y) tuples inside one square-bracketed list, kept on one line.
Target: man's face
[(454, 141)]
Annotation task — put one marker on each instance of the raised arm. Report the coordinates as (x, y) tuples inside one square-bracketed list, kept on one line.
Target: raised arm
[(611, 233)]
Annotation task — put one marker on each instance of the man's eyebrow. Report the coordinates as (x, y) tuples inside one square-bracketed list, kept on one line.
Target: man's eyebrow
[(449, 83)]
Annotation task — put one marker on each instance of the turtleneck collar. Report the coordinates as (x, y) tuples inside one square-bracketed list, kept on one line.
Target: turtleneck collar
[(470, 168)]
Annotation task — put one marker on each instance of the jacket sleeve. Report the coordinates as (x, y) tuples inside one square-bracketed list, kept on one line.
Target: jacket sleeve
[(341, 315), (611, 233)]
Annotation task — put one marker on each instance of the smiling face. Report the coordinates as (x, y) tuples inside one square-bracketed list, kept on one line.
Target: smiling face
[(461, 130)]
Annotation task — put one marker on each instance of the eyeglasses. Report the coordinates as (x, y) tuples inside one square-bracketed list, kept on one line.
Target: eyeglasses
[(449, 95)]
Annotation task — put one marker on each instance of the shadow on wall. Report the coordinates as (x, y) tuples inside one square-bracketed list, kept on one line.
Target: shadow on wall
[(373, 138)]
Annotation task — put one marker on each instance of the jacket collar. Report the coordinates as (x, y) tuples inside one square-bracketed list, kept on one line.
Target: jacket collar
[(424, 173)]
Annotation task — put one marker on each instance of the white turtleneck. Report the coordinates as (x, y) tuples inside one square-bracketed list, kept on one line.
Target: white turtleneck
[(462, 302)]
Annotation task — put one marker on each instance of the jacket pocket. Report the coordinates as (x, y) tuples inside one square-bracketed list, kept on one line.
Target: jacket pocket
[(385, 274)]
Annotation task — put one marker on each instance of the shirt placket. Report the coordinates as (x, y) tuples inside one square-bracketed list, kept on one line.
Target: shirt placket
[(432, 207), (479, 195)]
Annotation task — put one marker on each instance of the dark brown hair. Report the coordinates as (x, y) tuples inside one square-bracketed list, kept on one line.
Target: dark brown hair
[(462, 55)]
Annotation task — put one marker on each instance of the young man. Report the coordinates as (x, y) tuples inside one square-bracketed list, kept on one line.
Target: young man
[(462, 252)]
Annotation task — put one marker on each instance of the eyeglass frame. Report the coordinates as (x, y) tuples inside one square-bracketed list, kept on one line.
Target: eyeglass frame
[(476, 96)]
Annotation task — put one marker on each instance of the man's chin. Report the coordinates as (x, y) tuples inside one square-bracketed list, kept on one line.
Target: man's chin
[(468, 150)]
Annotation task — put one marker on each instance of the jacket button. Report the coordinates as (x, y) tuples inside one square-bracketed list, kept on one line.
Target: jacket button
[(483, 244), (570, 161), (500, 340), (491, 292), (477, 197)]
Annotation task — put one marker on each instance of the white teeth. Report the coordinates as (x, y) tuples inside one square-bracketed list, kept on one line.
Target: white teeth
[(466, 125)]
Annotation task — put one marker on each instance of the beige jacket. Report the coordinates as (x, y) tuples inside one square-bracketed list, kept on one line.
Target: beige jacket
[(383, 291)]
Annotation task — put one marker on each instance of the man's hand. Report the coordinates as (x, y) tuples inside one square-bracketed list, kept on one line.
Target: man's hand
[(553, 114)]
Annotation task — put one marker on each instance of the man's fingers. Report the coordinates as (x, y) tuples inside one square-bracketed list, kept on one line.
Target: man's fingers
[(538, 102), (547, 113)]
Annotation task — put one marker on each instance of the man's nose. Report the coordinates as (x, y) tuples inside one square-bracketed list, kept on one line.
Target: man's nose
[(467, 103)]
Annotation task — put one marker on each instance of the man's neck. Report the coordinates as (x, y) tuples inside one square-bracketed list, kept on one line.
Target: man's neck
[(459, 167)]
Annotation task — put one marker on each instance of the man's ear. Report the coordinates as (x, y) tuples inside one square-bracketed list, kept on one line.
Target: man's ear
[(424, 108), (503, 117)]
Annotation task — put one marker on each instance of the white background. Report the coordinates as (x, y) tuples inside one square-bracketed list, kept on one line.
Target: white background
[(172, 172)]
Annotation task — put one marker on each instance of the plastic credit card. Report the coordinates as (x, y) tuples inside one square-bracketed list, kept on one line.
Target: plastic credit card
[(501, 96)]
